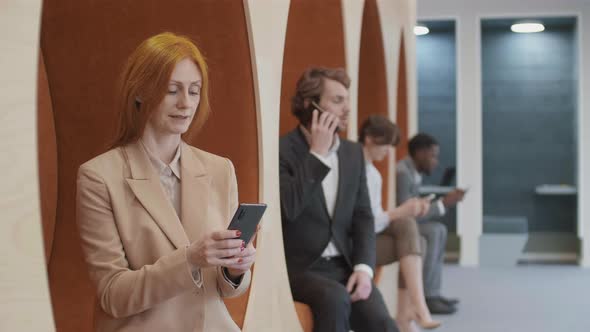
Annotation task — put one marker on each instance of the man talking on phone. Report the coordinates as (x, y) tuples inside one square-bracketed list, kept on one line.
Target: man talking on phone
[(328, 227), (423, 159)]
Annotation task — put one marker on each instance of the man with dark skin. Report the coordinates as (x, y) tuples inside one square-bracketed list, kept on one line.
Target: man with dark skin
[(422, 160)]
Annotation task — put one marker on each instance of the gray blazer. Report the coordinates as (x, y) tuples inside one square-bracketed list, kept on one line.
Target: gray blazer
[(407, 186)]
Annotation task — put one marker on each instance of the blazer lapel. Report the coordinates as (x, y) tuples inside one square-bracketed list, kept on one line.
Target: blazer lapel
[(301, 149), (145, 184), (342, 176), (195, 183)]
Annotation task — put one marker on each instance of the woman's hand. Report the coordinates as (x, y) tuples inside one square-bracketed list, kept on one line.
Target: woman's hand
[(246, 260), (244, 263), (415, 207), (219, 248)]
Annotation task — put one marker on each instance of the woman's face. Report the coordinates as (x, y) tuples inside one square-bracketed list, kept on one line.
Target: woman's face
[(175, 112), (377, 152)]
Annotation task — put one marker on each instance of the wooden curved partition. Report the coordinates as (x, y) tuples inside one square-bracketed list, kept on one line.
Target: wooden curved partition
[(398, 18), (47, 155), (402, 117), (372, 77), (24, 303), (84, 46), (315, 37)]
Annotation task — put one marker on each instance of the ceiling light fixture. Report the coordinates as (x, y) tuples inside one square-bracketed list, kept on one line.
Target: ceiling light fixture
[(420, 30), (527, 27)]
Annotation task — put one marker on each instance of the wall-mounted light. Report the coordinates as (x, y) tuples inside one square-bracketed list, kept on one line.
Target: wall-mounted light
[(420, 30), (527, 27)]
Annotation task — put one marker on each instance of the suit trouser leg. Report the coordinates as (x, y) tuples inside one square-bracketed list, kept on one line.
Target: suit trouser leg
[(323, 288), (435, 234), (328, 299), (371, 315)]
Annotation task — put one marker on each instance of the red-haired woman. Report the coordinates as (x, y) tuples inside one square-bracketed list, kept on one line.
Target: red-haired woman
[(153, 211)]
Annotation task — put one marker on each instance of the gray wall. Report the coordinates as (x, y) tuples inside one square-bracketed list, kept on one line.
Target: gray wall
[(437, 96), (529, 105), (437, 93)]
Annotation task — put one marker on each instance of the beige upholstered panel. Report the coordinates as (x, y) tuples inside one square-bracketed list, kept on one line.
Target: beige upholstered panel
[(83, 85), (398, 18), (24, 303), (47, 154), (270, 307), (352, 19), (373, 99), (372, 94)]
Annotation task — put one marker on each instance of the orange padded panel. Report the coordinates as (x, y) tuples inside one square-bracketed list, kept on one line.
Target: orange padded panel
[(305, 316), (47, 155), (372, 97), (85, 44), (314, 37)]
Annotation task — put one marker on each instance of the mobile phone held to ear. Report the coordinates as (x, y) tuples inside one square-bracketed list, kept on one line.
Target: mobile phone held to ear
[(307, 114), (317, 107), (320, 111), (246, 220)]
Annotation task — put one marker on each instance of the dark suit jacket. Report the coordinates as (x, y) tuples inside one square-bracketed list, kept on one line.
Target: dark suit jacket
[(307, 226)]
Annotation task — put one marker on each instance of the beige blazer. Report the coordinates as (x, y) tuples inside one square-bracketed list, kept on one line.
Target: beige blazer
[(135, 244)]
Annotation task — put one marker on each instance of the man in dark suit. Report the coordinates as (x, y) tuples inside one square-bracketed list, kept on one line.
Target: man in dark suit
[(423, 159), (327, 221)]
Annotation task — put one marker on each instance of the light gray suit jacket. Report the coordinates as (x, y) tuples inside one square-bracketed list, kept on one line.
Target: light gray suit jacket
[(408, 185)]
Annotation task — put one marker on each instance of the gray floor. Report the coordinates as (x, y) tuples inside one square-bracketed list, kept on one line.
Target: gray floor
[(536, 298)]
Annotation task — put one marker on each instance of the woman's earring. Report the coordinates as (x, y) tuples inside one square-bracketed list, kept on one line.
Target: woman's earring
[(137, 103)]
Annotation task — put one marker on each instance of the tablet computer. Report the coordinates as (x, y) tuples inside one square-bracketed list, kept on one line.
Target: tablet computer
[(246, 220)]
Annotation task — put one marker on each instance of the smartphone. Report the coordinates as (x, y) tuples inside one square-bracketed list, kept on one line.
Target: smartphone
[(430, 197), (317, 107), (320, 111), (307, 115), (246, 220), (465, 189)]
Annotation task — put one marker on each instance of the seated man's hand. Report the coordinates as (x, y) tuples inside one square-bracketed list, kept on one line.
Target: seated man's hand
[(360, 282), (452, 198)]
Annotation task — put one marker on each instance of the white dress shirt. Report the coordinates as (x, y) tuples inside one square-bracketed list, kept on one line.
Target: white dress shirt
[(169, 176), (374, 185), (330, 187)]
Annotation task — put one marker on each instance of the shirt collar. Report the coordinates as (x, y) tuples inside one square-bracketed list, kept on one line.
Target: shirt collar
[(161, 167)]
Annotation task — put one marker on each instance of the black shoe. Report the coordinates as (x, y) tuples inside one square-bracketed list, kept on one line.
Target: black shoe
[(449, 301), (438, 307)]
